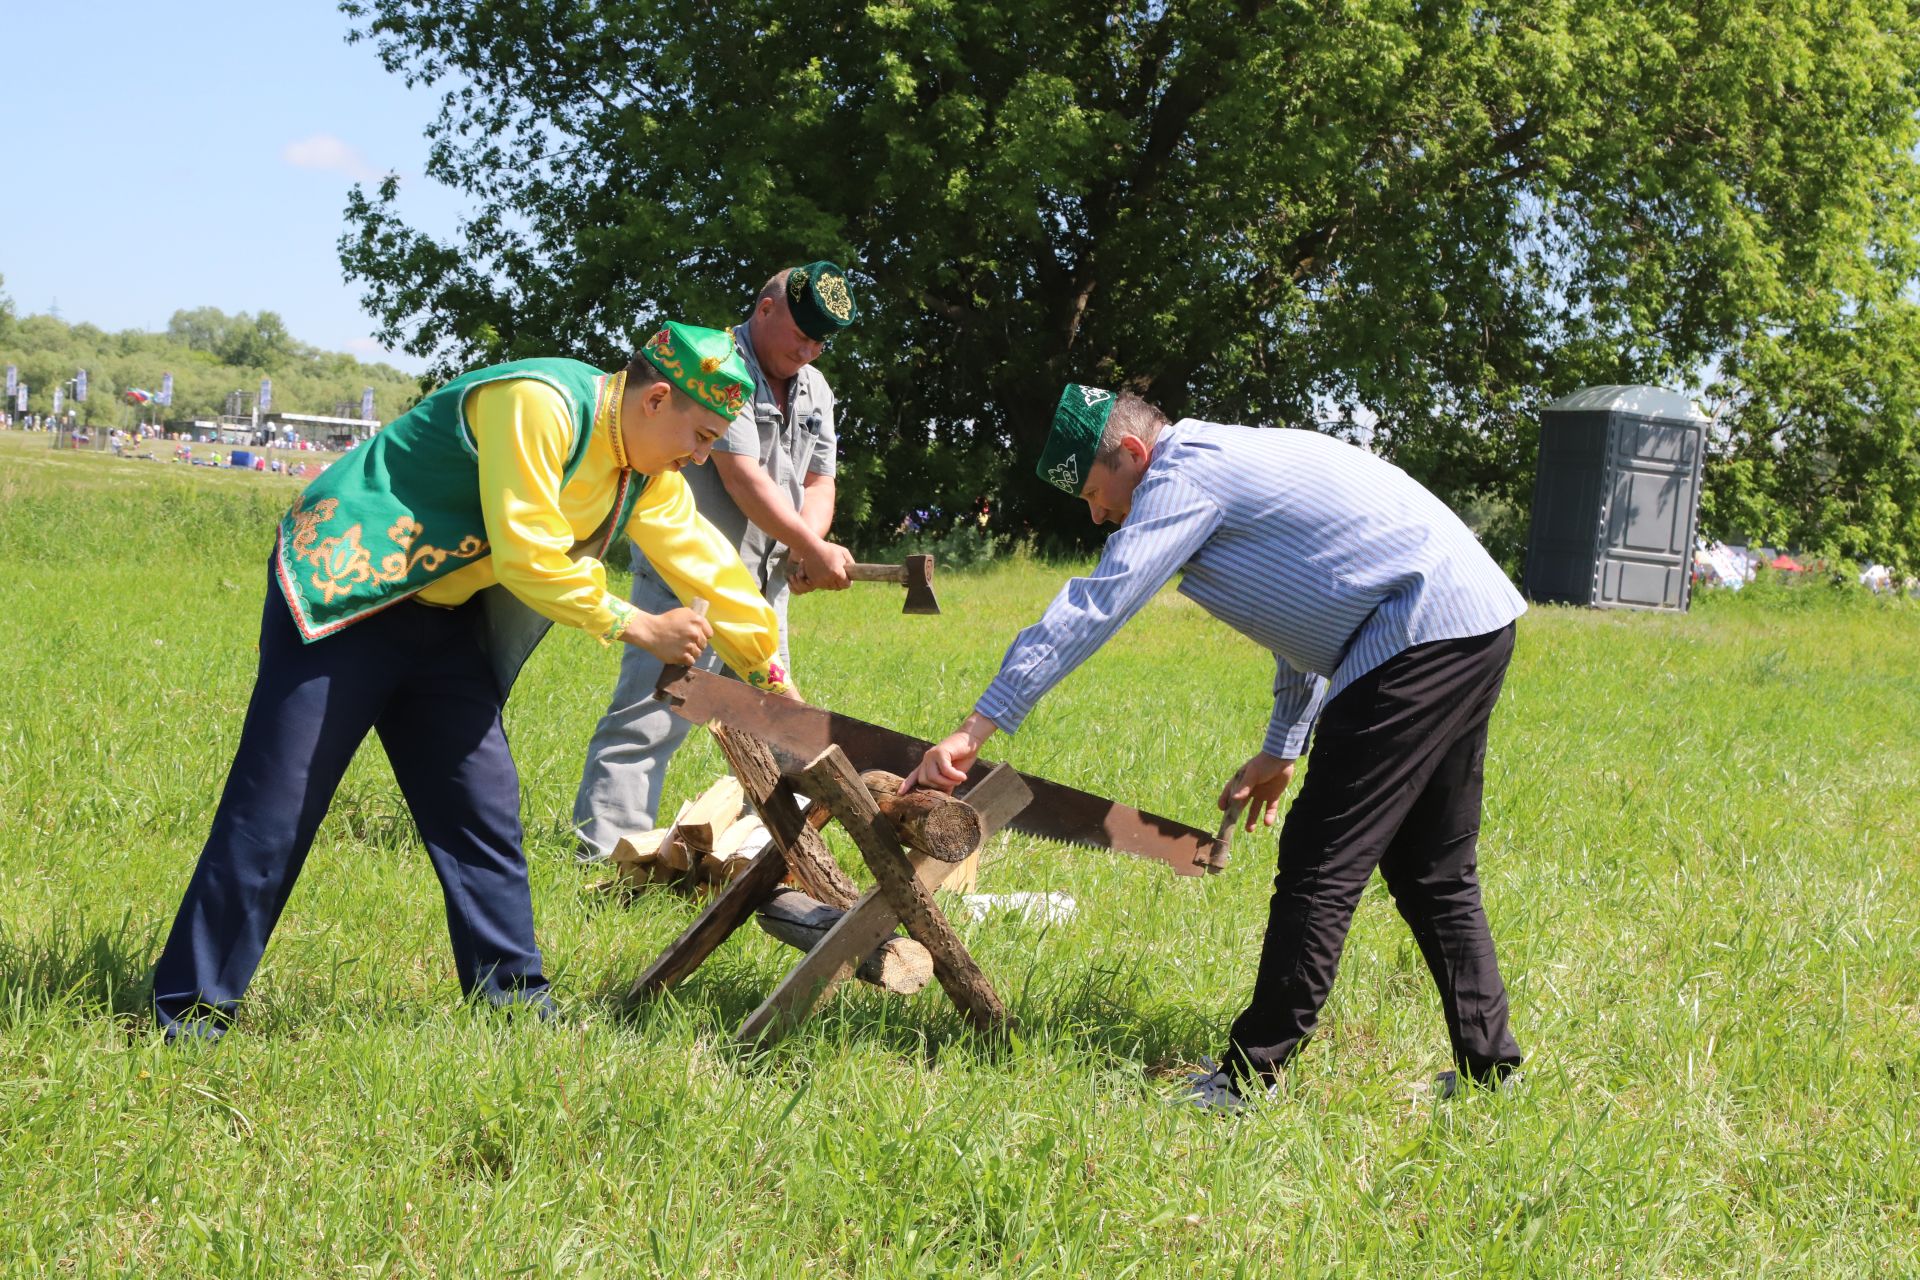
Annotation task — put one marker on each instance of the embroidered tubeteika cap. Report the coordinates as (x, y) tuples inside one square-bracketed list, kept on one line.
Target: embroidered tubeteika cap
[(703, 363), (821, 300), (1078, 423)]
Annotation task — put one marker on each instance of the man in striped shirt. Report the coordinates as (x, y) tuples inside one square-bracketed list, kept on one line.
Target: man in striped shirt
[(1391, 629)]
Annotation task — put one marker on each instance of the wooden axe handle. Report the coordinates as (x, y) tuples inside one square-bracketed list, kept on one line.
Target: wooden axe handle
[(877, 572)]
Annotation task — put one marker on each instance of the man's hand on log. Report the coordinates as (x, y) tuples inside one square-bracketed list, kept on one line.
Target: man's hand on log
[(679, 635), (1258, 784), (945, 764)]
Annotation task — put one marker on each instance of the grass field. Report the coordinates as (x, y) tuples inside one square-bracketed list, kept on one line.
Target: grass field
[(1702, 860)]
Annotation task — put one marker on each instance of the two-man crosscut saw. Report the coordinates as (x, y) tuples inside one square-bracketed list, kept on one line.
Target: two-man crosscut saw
[(797, 733)]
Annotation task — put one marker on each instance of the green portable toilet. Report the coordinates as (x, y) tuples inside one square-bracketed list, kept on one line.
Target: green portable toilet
[(1615, 499)]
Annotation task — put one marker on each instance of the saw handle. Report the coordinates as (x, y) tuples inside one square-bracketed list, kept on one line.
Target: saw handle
[(699, 605), (1221, 855)]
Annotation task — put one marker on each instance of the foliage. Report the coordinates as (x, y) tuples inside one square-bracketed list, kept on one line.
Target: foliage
[(1822, 438), (1702, 865), (209, 353), (261, 341), (1414, 221)]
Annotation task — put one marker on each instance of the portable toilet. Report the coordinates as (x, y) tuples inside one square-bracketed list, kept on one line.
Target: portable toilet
[(1615, 499)]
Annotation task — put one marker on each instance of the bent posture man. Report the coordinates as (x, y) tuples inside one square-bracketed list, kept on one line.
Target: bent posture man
[(769, 489), (1388, 623), (408, 583)]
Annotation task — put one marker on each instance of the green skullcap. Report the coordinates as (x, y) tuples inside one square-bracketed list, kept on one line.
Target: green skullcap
[(820, 299), (1078, 422), (703, 363)]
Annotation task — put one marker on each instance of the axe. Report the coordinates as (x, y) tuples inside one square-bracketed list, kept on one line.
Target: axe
[(915, 573)]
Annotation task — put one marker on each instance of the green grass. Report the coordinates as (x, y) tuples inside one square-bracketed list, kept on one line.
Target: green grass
[(1701, 865)]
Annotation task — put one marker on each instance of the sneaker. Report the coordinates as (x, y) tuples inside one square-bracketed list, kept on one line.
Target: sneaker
[(206, 1030), (1447, 1084), (1213, 1089)]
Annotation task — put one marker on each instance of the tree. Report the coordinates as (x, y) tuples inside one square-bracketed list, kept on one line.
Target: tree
[(201, 329), (6, 311), (1826, 450), (256, 342), (1410, 220)]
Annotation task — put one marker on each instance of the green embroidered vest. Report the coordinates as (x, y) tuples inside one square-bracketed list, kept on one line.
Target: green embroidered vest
[(403, 509)]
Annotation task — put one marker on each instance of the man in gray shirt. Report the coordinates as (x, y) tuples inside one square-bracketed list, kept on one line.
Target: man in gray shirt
[(768, 488)]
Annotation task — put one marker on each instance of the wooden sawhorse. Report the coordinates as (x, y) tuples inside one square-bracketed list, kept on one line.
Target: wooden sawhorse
[(902, 892)]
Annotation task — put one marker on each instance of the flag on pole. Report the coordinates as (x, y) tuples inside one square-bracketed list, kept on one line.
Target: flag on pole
[(80, 388), (166, 389), (366, 405), (136, 395), (20, 393), (59, 397), (266, 394), (13, 380)]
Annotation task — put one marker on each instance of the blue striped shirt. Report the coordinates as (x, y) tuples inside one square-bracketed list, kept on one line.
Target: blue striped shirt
[(1328, 556)]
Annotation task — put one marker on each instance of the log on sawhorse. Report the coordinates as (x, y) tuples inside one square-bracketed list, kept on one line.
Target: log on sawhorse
[(902, 893)]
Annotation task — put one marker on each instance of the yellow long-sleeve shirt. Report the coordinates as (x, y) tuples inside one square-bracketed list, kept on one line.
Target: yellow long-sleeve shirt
[(524, 435)]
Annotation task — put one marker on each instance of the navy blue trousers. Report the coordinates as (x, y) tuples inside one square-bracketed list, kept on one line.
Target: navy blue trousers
[(419, 678)]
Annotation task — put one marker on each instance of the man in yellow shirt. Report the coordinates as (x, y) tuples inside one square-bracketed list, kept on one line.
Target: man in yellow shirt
[(407, 584)]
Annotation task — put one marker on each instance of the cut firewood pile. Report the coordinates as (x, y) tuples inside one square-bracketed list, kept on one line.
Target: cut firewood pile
[(711, 840)]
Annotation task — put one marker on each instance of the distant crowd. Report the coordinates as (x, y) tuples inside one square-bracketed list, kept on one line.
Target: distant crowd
[(128, 442)]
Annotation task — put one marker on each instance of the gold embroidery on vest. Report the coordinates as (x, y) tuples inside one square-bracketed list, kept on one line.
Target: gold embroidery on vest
[(342, 563)]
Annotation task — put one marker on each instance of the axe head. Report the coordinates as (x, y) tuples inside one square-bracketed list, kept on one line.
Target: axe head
[(919, 579)]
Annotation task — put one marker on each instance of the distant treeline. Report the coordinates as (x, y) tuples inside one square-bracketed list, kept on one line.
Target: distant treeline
[(209, 353)]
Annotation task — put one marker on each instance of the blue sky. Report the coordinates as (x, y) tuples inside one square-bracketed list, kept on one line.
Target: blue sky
[(218, 141)]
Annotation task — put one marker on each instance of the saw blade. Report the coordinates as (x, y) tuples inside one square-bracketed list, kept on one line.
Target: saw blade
[(797, 732)]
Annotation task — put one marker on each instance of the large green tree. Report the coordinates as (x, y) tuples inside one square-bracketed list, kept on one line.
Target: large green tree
[(1412, 220)]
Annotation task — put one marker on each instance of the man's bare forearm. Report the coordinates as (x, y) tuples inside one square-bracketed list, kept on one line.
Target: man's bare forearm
[(816, 503), (754, 492)]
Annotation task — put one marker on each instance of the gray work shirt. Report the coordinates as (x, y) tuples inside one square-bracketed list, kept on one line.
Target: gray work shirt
[(787, 445)]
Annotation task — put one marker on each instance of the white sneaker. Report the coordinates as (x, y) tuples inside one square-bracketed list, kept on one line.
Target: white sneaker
[(1212, 1089)]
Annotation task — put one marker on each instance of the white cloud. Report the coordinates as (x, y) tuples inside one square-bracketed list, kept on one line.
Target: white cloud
[(329, 154)]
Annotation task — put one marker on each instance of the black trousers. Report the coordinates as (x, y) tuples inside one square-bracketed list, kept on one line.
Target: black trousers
[(1395, 783), (420, 679)]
